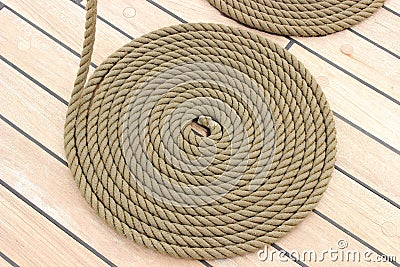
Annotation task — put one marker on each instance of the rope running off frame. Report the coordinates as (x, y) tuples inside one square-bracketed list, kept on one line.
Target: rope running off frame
[(298, 17)]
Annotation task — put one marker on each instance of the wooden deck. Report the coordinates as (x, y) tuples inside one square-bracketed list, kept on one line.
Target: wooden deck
[(44, 221)]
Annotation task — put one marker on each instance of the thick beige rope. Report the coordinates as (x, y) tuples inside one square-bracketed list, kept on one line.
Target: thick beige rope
[(298, 17), (130, 145)]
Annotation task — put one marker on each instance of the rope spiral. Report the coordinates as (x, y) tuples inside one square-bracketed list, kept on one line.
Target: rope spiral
[(262, 163), (298, 17)]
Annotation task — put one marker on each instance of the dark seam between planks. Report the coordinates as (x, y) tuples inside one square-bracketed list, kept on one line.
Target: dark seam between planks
[(7, 259), (47, 34), (356, 127), (393, 149), (49, 91), (351, 124), (36, 208), (315, 211), (391, 11), (392, 202), (1, 7), (299, 262), (344, 230), (184, 21), (62, 161), (289, 45), (374, 88), (43, 213), (306, 48), (341, 69), (48, 217), (205, 263), (374, 43), (33, 140), (167, 11), (78, 3)]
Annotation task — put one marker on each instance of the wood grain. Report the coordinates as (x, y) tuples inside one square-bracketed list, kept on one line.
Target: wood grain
[(353, 100), (359, 57), (333, 203), (35, 61), (65, 20), (50, 186), (41, 183), (393, 4), (382, 28), (366, 61), (31, 240), (52, 67)]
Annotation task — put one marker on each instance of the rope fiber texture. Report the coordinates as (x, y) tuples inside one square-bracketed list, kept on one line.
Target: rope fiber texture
[(298, 17), (129, 143)]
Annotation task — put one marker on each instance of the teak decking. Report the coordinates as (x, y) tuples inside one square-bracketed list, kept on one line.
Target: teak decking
[(44, 221)]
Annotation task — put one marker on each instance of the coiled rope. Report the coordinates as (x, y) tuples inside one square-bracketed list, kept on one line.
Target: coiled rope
[(258, 163), (298, 17)]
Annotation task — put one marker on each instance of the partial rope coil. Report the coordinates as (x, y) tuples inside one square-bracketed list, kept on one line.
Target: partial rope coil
[(265, 157), (298, 17)]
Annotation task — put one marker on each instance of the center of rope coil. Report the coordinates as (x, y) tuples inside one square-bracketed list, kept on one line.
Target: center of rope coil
[(200, 129), (131, 147)]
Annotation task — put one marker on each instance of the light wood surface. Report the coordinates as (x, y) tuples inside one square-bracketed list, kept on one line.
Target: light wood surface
[(22, 238), (358, 70)]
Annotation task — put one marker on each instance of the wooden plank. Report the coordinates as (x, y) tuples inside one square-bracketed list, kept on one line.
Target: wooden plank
[(361, 212), (366, 108), (361, 58), (382, 28), (3, 262), (310, 230), (44, 52), (17, 96), (202, 11), (339, 142), (8, 262), (65, 20), (365, 60), (393, 4), (191, 9), (134, 16), (314, 234), (251, 259), (63, 61), (41, 183), (336, 205), (368, 160), (31, 240), (20, 41)]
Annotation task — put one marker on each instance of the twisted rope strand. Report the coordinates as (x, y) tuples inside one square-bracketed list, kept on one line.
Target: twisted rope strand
[(298, 17), (130, 146)]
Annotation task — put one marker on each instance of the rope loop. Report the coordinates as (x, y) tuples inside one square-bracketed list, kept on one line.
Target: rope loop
[(199, 140), (298, 17)]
